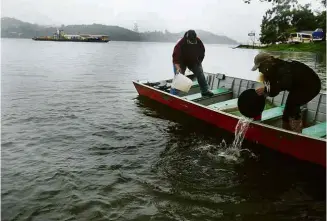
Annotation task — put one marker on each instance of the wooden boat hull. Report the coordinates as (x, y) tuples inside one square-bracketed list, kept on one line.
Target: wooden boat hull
[(297, 145)]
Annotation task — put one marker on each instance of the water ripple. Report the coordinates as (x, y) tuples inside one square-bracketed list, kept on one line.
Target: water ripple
[(79, 144)]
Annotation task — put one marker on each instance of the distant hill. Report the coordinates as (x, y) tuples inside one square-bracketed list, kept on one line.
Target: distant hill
[(13, 28)]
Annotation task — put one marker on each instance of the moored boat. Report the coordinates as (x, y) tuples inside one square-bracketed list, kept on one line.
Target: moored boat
[(221, 111)]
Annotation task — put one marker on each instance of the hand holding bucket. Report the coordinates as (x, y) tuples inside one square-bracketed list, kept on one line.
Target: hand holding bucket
[(181, 82)]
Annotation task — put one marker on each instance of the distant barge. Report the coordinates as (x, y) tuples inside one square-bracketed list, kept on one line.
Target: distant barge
[(60, 36)]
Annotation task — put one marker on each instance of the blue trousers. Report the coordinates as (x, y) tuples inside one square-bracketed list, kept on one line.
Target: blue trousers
[(198, 72)]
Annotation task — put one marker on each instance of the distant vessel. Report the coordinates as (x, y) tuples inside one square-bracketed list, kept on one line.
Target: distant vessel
[(61, 36)]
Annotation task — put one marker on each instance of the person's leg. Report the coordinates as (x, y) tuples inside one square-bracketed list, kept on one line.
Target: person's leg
[(292, 119), (308, 90), (198, 72), (174, 91)]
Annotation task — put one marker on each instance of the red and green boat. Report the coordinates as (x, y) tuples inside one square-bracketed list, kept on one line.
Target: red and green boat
[(221, 111)]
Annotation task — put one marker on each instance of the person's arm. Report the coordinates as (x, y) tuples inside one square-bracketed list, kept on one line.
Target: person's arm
[(272, 89), (271, 81), (202, 52), (269, 89), (177, 56)]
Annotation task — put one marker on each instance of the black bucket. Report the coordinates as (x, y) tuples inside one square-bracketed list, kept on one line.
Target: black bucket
[(250, 104)]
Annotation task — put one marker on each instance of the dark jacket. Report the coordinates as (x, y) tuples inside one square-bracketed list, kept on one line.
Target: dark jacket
[(282, 75), (188, 54)]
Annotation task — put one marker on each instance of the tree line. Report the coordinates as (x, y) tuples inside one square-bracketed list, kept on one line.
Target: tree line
[(287, 16)]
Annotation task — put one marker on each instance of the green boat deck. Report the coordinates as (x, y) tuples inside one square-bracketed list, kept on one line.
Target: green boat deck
[(216, 92), (318, 130), (224, 105), (268, 114), (272, 113), (195, 84)]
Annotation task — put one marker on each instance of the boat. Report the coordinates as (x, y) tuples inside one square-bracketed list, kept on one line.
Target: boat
[(221, 111), (62, 37)]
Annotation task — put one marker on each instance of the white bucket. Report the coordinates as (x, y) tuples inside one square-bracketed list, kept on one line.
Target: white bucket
[(182, 83)]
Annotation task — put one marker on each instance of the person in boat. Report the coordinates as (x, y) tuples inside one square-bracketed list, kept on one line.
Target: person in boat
[(302, 83), (189, 53)]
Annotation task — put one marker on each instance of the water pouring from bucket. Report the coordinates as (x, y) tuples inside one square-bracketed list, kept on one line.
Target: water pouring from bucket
[(251, 106), (233, 151)]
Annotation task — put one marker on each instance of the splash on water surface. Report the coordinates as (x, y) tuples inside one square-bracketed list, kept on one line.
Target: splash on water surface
[(233, 151)]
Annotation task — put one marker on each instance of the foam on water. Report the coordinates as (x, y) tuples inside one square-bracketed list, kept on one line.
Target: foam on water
[(233, 151), (230, 152)]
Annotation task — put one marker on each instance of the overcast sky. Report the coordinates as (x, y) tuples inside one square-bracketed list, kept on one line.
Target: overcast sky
[(232, 18)]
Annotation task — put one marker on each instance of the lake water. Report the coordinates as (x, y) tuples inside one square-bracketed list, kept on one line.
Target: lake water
[(79, 144)]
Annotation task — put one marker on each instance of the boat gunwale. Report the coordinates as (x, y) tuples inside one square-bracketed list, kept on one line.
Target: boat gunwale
[(238, 78), (234, 116), (209, 73)]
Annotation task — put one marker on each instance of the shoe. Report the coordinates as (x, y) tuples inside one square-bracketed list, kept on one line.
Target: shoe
[(296, 125), (207, 93)]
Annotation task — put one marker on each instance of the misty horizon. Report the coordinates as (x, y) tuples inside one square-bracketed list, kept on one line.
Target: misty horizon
[(234, 18), (131, 29)]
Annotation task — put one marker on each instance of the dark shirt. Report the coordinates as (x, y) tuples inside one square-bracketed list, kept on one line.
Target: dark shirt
[(287, 75), (188, 54)]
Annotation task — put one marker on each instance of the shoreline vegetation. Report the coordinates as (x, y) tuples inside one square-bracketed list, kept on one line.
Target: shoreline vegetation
[(287, 19), (317, 47)]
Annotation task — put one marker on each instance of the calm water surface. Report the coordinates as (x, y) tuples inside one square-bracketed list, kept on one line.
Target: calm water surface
[(79, 144)]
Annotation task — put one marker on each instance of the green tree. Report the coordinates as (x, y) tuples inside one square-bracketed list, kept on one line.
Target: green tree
[(323, 2), (288, 17), (276, 22), (303, 18)]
